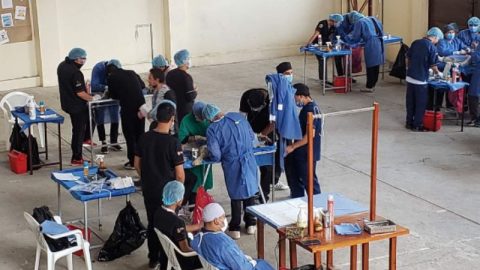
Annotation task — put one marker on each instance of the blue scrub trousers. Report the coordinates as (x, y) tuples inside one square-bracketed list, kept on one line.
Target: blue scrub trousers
[(416, 101), (296, 171)]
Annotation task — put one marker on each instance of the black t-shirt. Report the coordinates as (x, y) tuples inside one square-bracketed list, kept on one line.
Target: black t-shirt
[(301, 152), (160, 153), (326, 31), (174, 228), (71, 82), (258, 120), (126, 86), (182, 84)]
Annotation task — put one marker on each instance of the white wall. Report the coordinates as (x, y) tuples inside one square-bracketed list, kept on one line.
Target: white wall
[(231, 30)]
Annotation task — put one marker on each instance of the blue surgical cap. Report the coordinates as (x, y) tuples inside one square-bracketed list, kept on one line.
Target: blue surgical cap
[(435, 32), (197, 109), (356, 16), (114, 62), (181, 57), (473, 21), (450, 27), (336, 17), (159, 61), (76, 53), (210, 111), (173, 192)]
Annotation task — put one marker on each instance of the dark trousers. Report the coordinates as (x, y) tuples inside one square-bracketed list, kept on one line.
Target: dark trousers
[(473, 107), (236, 207), (132, 128), (416, 101), (296, 170), (440, 93), (113, 132), (338, 64), (79, 126), (372, 76), (266, 174)]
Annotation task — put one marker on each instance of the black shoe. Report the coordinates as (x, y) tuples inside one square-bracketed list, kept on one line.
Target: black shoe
[(104, 149), (153, 264), (408, 126), (128, 166), (418, 129), (354, 81), (116, 147)]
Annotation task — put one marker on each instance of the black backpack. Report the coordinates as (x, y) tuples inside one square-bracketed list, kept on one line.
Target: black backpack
[(19, 142), (41, 214)]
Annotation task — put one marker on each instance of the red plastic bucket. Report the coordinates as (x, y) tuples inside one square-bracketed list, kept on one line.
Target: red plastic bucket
[(340, 84), (18, 162), (428, 121)]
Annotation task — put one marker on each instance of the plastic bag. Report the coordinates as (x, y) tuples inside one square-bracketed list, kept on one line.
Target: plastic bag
[(128, 234), (399, 68), (202, 200)]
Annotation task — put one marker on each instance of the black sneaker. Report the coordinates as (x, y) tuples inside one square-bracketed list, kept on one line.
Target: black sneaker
[(104, 149), (116, 148), (128, 166), (418, 129), (408, 126)]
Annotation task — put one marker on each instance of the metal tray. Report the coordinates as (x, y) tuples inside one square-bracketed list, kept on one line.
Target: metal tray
[(382, 226)]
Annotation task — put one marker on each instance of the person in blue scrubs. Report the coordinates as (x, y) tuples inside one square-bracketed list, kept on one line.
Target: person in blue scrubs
[(421, 56), (470, 35), (474, 91), (219, 250), (296, 162), (230, 140), (368, 30)]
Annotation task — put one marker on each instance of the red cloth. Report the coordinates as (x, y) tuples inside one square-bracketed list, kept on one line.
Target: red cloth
[(202, 200), (456, 98), (357, 60)]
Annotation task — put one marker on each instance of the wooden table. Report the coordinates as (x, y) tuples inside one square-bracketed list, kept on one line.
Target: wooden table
[(331, 241)]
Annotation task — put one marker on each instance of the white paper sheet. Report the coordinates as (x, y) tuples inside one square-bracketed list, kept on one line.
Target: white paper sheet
[(65, 177), (20, 12), (4, 37), (7, 20), (7, 4)]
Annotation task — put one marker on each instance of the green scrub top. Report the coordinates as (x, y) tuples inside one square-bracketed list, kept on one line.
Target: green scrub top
[(191, 127)]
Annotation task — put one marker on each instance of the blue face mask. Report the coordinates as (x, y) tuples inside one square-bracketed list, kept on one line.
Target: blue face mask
[(289, 78), (450, 36), (473, 28), (337, 24), (299, 104)]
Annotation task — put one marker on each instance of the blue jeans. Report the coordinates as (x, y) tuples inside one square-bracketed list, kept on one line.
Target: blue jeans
[(296, 171), (416, 101)]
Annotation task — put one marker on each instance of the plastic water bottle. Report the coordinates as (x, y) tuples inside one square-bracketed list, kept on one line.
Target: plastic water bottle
[(32, 112), (85, 168), (320, 42), (42, 107), (330, 203)]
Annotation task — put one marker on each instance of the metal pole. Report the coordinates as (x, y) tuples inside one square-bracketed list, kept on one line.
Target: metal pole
[(370, 8), (274, 139), (91, 133), (310, 172), (304, 67), (373, 173)]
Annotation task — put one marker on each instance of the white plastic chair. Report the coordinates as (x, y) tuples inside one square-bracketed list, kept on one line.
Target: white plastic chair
[(53, 256), (170, 249), (206, 265), (7, 104)]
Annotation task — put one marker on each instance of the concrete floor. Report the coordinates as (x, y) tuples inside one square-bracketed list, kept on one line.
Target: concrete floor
[(428, 182)]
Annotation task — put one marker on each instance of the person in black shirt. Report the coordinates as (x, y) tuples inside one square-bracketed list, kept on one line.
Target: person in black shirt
[(296, 162), (326, 29), (168, 223), (255, 103), (126, 86), (182, 84), (159, 160), (74, 97)]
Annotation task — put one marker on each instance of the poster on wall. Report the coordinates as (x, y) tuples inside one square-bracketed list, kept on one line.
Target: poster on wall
[(7, 20), (3, 37), (7, 4), (20, 13)]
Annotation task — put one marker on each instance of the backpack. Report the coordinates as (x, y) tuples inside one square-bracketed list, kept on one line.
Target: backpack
[(42, 213), (19, 142)]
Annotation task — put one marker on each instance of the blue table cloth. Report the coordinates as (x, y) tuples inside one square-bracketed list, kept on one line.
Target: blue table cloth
[(84, 196), (441, 84), (392, 39), (27, 122), (317, 51)]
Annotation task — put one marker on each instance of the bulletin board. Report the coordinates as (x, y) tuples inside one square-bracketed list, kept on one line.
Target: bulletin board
[(15, 21)]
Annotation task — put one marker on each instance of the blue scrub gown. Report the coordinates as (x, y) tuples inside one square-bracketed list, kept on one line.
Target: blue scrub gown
[(474, 89), (221, 251), (447, 47), (467, 37), (231, 141), (364, 31)]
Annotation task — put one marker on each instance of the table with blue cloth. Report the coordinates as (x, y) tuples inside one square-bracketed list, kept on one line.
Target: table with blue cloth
[(443, 85), (264, 155), (85, 197), (50, 116), (325, 54)]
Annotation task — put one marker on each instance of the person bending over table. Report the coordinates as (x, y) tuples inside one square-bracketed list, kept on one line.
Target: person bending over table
[(219, 250), (296, 162), (158, 160), (167, 222), (156, 81), (327, 28), (421, 56), (230, 139)]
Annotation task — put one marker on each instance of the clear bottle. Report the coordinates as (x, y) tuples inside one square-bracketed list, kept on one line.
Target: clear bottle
[(302, 219), (320, 42), (32, 112), (330, 203), (41, 106), (85, 168), (338, 44)]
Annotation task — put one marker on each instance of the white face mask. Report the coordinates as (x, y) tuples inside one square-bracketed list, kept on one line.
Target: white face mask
[(225, 225), (189, 62)]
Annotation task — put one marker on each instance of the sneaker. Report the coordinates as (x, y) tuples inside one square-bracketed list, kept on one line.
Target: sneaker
[(88, 142), (128, 166), (408, 126), (251, 230), (77, 162), (153, 264), (235, 235), (354, 81), (418, 129), (367, 90), (281, 186), (104, 149), (470, 123), (116, 148)]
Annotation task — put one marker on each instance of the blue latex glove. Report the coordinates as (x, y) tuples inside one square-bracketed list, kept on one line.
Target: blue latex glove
[(348, 229)]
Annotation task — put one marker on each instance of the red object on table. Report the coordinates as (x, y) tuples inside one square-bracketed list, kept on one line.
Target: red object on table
[(341, 81), (86, 236), (202, 200), (18, 161), (428, 121)]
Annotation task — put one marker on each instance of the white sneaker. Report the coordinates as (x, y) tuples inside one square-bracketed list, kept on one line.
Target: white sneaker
[(367, 90), (251, 230), (281, 186), (235, 235)]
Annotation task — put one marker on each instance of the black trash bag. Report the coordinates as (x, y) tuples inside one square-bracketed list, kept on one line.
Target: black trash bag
[(42, 213), (399, 68), (305, 267), (128, 235), (19, 142)]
